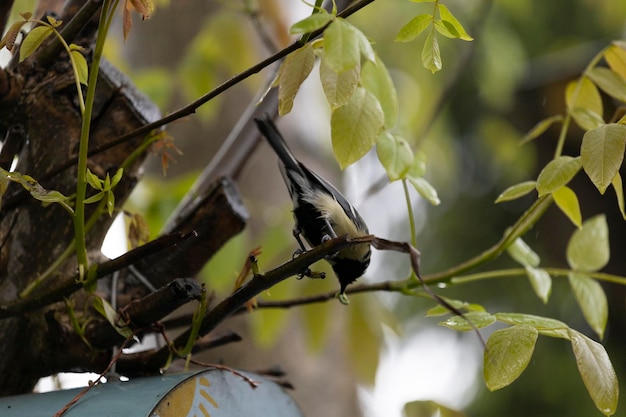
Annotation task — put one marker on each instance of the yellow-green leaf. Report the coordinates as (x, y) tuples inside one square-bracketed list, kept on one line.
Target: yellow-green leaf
[(365, 47), (10, 36), (588, 248), (414, 28), (355, 127), (81, 66), (33, 40), (586, 106), (478, 319), (338, 87), (596, 371), (425, 189), (544, 325), (541, 282), (602, 153), (619, 193), (106, 310), (616, 58), (522, 253), (311, 23), (507, 354), (341, 46), (557, 173), (452, 25), (431, 55), (591, 300), (440, 310), (565, 198), (376, 79), (516, 191), (541, 127), (429, 408), (609, 81), (294, 70), (395, 155)]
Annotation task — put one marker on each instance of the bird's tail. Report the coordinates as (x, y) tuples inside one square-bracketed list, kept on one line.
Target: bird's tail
[(277, 142)]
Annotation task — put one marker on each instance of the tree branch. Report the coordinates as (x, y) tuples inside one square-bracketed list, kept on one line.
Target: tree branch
[(69, 285)]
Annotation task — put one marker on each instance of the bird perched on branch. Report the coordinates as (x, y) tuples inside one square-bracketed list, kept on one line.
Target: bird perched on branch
[(320, 211)]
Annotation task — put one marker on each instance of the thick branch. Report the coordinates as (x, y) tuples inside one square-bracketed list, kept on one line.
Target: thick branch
[(215, 216), (69, 285), (156, 305)]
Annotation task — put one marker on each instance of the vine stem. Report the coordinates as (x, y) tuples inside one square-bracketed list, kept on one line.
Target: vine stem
[(521, 226), (106, 16), (554, 272)]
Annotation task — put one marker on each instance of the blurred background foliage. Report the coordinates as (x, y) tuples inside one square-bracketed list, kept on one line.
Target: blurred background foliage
[(467, 119)]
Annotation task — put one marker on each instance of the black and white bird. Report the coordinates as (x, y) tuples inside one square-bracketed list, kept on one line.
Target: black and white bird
[(320, 211)]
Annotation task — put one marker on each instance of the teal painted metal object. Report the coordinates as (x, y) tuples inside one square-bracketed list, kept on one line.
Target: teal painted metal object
[(209, 393)]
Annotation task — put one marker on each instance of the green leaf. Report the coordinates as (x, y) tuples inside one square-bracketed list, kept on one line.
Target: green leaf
[(429, 408), (110, 203), (479, 319), (376, 79), (507, 354), (544, 325), (540, 128), (588, 249), (414, 28), (313, 22), (452, 24), (93, 180), (95, 198), (587, 107), (567, 201), (117, 177), (557, 173), (596, 371), (33, 40), (516, 191), (293, 71), (592, 301), (541, 282), (616, 58), (338, 88), (619, 193), (341, 46), (107, 311), (440, 310), (522, 253), (395, 155), (602, 153), (431, 56), (81, 64), (355, 127), (610, 82), (426, 190), (418, 168), (365, 47)]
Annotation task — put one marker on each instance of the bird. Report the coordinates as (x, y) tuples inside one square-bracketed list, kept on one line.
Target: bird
[(320, 211)]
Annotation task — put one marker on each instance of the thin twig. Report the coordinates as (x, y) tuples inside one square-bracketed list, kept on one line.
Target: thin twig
[(97, 381)]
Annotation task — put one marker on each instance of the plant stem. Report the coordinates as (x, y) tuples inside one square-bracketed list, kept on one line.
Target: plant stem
[(108, 8), (554, 272), (521, 226)]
